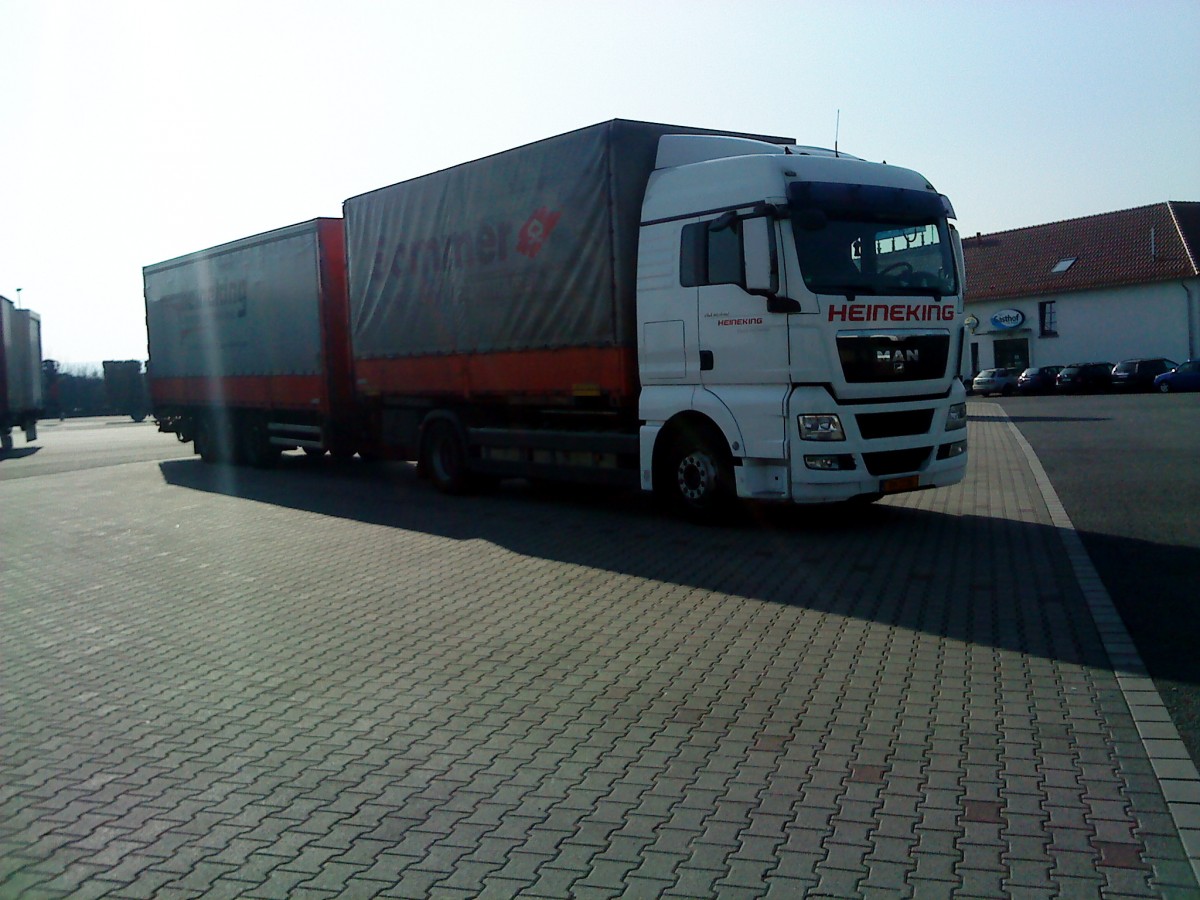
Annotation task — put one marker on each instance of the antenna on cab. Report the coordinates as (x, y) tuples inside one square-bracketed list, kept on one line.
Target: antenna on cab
[(836, 131)]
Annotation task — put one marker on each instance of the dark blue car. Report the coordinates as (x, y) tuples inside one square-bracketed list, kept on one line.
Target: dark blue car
[(1185, 377)]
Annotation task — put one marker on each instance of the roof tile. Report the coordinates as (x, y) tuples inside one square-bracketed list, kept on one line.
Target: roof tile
[(1132, 246)]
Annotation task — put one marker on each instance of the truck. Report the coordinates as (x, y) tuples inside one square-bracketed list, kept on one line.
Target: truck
[(708, 315), (125, 388), (20, 372)]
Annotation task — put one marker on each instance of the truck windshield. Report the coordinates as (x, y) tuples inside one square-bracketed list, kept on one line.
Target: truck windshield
[(866, 239)]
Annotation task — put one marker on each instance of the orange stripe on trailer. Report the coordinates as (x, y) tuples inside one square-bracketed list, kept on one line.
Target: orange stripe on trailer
[(572, 371), (295, 392)]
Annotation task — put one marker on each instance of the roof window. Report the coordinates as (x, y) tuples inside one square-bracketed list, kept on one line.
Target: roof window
[(1063, 264)]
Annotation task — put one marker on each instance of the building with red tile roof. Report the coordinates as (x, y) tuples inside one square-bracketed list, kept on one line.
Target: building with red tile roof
[(1099, 288)]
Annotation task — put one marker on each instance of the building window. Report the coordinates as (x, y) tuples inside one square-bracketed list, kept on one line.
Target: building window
[(1047, 319)]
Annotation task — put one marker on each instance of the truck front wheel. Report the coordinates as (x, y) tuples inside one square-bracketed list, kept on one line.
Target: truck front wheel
[(444, 458), (697, 476)]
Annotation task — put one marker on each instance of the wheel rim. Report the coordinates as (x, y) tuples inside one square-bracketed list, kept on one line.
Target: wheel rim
[(696, 475)]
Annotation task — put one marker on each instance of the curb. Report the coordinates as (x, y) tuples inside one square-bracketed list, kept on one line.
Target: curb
[(1173, 766)]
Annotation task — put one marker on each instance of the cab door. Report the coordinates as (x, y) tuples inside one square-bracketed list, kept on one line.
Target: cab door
[(741, 342), (743, 345)]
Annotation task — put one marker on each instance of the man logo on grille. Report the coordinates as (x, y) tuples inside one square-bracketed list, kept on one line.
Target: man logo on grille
[(898, 358), (535, 231)]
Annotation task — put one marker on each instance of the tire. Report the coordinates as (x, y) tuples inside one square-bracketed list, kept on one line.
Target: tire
[(204, 441), (444, 458), (214, 440), (6, 441), (696, 478), (254, 444), (313, 452)]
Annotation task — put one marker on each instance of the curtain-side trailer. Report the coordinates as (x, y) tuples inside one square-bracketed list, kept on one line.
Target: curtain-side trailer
[(248, 352)]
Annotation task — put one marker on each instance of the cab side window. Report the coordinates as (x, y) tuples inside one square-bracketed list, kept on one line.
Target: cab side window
[(710, 257)]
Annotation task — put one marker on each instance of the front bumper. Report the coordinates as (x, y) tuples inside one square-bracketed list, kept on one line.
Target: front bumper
[(890, 448)]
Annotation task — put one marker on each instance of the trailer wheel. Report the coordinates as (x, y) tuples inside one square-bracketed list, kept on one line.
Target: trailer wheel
[(255, 444), (6, 441), (444, 458), (697, 475), (204, 441), (213, 440)]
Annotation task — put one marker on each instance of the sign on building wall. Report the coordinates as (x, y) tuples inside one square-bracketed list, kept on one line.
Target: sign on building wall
[(1008, 318)]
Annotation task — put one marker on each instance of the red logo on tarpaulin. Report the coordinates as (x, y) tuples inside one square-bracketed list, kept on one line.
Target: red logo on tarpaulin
[(535, 231)]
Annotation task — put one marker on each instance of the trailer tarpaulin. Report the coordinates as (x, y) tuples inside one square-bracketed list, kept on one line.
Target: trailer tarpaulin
[(251, 307), (532, 248)]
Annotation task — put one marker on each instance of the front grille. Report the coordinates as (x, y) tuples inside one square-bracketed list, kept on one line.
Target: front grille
[(893, 462), (894, 424), (872, 357)]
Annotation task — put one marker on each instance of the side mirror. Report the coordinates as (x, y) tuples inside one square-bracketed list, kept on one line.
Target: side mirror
[(960, 261), (726, 220), (760, 257)]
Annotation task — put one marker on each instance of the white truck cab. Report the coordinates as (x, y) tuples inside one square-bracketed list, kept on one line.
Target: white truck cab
[(799, 326)]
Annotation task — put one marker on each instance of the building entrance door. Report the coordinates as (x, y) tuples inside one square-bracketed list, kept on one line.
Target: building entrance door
[(1012, 354)]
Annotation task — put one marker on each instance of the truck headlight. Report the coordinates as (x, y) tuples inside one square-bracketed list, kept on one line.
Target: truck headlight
[(956, 417), (821, 427)]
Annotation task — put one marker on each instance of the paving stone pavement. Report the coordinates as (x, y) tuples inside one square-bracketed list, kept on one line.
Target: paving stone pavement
[(320, 682)]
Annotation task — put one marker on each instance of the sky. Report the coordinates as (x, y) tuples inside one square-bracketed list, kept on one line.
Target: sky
[(134, 132)]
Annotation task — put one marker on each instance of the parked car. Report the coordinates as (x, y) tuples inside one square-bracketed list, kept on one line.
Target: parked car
[(995, 381), (1185, 377), (1038, 379), (1139, 374), (1085, 378)]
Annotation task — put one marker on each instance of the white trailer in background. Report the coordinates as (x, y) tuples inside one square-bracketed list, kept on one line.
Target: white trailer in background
[(20, 372)]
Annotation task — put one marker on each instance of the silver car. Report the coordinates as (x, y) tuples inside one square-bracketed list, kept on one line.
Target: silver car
[(995, 381)]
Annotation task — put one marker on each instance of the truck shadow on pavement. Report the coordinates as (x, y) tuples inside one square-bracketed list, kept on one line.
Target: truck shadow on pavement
[(981, 580), (18, 454)]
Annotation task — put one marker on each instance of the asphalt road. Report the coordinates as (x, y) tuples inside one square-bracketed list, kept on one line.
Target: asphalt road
[(1127, 469)]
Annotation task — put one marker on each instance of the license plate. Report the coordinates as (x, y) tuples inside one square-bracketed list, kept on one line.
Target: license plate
[(896, 485)]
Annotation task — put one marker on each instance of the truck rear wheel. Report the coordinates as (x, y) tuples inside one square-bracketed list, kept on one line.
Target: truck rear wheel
[(697, 476), (444, 458)]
